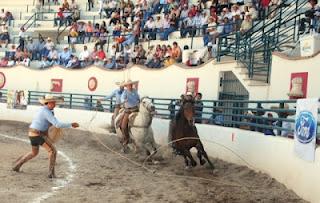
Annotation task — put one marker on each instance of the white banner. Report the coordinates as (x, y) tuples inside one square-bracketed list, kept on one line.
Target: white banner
[(305, 130)]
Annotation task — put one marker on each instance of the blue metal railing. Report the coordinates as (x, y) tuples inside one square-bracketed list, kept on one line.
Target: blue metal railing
[(231, 113)]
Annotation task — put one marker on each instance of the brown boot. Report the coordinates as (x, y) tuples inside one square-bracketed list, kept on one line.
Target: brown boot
[(126, 136), (22, 160)]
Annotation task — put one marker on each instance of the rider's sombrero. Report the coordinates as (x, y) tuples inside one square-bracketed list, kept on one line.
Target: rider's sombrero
[(120, 83), (50, 98), (130, 82)]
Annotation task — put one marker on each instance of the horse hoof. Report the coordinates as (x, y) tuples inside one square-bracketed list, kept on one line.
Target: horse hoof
[(202, 162), (125, 150), (156, 162), (188, 168), (193, 164)]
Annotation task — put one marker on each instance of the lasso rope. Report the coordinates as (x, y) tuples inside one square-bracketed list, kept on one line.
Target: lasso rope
[(196, 138), (154, 172)]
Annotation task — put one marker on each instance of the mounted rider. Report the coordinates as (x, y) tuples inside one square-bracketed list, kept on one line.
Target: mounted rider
[(131, 100), (117, 94)]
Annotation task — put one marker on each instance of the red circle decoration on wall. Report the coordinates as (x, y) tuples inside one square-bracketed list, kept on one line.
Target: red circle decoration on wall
[(2, 80), (92, 84)]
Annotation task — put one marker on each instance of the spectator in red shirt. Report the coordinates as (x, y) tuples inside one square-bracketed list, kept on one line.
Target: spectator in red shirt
[(60, 18), (192, 11), (101, 55)]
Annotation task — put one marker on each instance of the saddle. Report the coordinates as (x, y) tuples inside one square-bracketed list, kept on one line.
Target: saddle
[(132, 116)]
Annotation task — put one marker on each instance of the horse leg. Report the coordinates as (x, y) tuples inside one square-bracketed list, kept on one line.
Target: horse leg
[(186, 161), (199, 154), (201, 151), (189, 155)]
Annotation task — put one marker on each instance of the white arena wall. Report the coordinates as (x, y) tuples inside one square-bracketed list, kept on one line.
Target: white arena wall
[(282, 67), (271, 155)]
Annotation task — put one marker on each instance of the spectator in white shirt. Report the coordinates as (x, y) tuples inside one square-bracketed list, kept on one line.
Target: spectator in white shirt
[(150, 29), (84, 55)]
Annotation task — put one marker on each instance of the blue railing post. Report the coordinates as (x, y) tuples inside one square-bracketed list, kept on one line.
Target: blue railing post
[(29, 97), (91, 102), (111, 105), (70, 101)]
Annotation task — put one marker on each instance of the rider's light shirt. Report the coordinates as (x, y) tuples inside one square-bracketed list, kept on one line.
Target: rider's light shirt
[(130, 98)]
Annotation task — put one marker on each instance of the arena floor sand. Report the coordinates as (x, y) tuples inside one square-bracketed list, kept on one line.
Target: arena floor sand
[(102, 176)]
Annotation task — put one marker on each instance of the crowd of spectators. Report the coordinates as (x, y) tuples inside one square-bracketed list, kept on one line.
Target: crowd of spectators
[(127, 24)]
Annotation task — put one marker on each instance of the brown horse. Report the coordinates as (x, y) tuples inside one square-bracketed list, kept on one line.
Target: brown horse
[(183, 130)]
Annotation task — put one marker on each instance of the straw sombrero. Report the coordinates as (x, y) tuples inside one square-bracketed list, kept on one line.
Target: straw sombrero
[(50, 98), (130, 82), (120, 83)]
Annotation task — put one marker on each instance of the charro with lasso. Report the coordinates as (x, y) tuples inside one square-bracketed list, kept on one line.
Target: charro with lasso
[(38, 133)]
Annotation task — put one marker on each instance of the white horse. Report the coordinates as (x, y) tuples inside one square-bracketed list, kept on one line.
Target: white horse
[(140, 131)]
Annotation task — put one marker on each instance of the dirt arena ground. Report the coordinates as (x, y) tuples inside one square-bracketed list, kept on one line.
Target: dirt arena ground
[(102, 176)]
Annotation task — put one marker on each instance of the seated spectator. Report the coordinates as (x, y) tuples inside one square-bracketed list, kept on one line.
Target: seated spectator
[(73, 38), (192, 59), (226, 14), (176, 53), (211, 32), (99, 106), (89, 29), (4, 62), (110, 63), (253, 12), (103, 37), (198, 108), (246, 24), (53, 56), (110, 8), (81, 29), (210, 53), (11, 62), (73, 62), (4, 36), (2, 15), (269, 123), (237, 22), (48, 46), (45, 63), (187, 27), (235, 10), (170, 25), (68, 15), (127, 55), (197, 23), (84, 56), (101, 54), (93, 54), (149, 55), (75, 10), (65, 5), (65, 56), (12, 52), (31, 47), (150, 29), (59, 19), (227, 27), (217, 117), (18, 55), (26, 61)]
